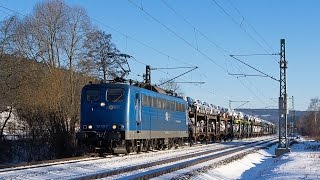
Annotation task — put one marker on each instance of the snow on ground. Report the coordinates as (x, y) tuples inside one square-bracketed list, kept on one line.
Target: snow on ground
[(303, 162), (70, 171), (74, 170)]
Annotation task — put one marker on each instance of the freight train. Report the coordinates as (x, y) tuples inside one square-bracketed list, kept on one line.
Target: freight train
[(123, 118)]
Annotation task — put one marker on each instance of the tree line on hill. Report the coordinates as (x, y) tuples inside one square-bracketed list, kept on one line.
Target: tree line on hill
[(309, 124), (45, 59)]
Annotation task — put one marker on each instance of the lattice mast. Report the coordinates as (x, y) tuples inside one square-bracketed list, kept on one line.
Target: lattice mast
[(283, 106)]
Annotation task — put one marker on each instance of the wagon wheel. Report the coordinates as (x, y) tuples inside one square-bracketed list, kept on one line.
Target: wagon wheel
[(201, 137), (129, 147)]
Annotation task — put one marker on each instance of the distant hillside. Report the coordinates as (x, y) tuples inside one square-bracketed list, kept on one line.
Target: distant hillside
[(271, 115)]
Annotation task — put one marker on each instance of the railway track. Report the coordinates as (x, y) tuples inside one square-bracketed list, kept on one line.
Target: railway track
[(146, 172), (96, 167)]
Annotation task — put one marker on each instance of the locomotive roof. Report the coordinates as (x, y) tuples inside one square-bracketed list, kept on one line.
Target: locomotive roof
[(156, 89)]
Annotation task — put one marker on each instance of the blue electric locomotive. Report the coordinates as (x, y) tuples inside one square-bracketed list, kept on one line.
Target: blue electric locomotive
[(121, 118)]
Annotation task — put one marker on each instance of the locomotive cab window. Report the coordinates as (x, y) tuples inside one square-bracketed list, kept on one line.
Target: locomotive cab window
[(115, 95), (93, 95), (145, 100)]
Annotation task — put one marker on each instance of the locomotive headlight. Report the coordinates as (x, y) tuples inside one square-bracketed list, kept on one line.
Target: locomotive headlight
[(114, 126), (90, 127), (121, 126), (102, 104)]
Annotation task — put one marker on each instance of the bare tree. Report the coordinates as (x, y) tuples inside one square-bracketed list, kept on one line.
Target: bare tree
[(102, 56), (7, 32), (54, 34), (314, 104), (38, 37), (171, 86), (40, 78), (309, 124), (77, 26), (4, 123), (48, 100), (11, 80)]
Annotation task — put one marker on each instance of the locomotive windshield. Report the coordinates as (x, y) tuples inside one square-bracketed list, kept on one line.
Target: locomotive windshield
[(115, 95), (93, 95)]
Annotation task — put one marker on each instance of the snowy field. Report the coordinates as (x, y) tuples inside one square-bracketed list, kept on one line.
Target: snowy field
[(303, 162)]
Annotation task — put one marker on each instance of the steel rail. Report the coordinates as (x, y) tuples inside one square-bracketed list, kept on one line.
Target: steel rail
[(165, 161), (175, 167)]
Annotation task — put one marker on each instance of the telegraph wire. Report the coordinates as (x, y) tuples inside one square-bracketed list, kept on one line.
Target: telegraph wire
[(181, 67), (254, 68), (188, 22), (246, 75), (166, 27), (196, 30), (272, 54), (238, 11), (250, 82), (176, 34), (251, 85), (224, 50), (252, 92), (184, 81), (160, 69), (4, 12), (160, 52), (219, 47), (236, 22), (244, 19), (11, 11), (195, 37), (178, 76)]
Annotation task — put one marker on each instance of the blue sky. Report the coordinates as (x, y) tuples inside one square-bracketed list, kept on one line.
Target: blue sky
[(295, 21)]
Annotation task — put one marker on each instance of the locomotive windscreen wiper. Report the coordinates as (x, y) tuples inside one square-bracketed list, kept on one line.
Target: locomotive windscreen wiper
[(118, 98)]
